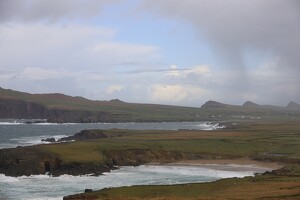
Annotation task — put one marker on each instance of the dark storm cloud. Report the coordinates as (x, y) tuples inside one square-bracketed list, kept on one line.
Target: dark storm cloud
[(50, 10), (268, 29), (235, 26)]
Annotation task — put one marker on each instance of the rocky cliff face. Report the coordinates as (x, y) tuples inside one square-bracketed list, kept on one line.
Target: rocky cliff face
[(29, 161), (16, 109), (25, 161), (21, 110)]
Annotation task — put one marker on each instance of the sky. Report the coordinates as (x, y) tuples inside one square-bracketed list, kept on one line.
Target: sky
[(153, 51)]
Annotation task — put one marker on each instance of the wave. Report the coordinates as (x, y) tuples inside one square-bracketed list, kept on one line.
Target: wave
[(48, 187), (206, 171), (7, 179), (34, 140), (11, 123)]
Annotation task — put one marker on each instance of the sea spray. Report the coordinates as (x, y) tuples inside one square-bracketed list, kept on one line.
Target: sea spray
[(47, 187)]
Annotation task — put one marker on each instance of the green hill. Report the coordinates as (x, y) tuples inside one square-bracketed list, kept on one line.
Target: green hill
[(63, 108)]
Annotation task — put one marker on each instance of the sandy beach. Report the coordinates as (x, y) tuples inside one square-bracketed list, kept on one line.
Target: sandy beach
[(229, 164)]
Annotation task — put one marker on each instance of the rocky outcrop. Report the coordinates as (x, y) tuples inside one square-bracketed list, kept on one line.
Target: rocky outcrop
[(86, 135), (49, 140), (93, 134), (26, 161), (30, 161)]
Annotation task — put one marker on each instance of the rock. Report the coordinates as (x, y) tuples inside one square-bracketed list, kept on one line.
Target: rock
[(88, 190), (48, 140), (85, 135)]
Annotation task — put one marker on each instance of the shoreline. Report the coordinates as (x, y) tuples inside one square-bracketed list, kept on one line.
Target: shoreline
[(218, 163)]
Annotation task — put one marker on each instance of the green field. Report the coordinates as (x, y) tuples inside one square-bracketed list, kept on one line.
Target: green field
[(262, 187), (278, 142), (247, 140)]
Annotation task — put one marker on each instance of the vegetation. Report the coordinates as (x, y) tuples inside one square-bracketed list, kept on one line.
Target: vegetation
[(265, 133), (255, 140), (62, 108), (263, 141), (259, 187)]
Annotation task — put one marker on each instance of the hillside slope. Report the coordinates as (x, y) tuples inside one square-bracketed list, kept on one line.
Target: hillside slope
[(62, 108)]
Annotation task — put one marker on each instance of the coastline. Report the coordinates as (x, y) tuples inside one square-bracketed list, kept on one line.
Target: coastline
[(218, 163)]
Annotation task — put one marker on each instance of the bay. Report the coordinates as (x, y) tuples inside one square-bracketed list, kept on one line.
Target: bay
[(15, 133)]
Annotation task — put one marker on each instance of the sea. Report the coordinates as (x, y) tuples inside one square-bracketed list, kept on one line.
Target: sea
[(15, 133)]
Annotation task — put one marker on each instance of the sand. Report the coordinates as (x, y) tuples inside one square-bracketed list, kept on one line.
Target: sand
[(220, 163)]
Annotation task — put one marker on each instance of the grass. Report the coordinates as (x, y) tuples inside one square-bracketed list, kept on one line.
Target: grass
[(247, 140), (122, 111), (261, 187), (241, 142)]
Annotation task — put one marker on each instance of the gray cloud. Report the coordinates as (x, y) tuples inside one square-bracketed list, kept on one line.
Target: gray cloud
[(269, 28), (234, 26), (49, 10), (36, 56)]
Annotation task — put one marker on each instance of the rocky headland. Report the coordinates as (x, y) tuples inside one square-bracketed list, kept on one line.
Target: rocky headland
[(34, 160)]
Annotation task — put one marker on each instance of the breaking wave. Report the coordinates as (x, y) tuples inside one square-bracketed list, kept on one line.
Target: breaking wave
[(47, 187)]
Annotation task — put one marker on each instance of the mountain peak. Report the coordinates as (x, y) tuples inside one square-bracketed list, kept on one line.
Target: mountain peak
[(116, 101), (293, 106), (213, 104), (250, 104)]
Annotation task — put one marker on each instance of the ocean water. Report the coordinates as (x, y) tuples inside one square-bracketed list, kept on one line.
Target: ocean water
[(47, 187), (16, 133)]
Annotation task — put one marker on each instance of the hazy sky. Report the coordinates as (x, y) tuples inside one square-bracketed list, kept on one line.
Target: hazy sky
[(153, 51)]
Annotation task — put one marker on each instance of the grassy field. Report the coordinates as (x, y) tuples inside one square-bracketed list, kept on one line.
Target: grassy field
[(262, 187), (265, 141), (251, 140)]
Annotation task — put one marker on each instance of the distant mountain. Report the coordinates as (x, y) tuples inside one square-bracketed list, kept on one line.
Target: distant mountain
[(254, 106), (250, 107), (250, 104), (293, 106), (58, 107), (215, 105)]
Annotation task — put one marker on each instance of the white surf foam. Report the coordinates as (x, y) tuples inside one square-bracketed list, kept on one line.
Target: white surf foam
[(47, 187), (34, 140), (11, 123), (7, 179)]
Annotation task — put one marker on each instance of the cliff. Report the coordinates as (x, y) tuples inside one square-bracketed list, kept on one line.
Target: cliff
[(63, 108), (30, 161), (17, 109)]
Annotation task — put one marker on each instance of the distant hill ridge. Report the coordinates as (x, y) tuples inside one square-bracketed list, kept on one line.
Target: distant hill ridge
[(215, 104), (58, 107), (250, 104), (292, 106)]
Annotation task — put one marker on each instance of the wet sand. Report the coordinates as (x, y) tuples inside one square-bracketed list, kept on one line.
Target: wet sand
[(229, 164)]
